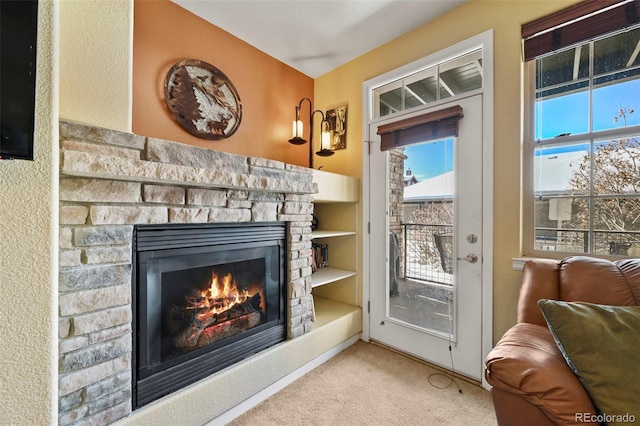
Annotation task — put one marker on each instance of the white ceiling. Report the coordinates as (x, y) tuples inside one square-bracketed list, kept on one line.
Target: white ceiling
[(317, 36)]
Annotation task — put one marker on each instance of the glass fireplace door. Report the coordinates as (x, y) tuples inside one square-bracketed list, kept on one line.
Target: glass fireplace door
[(204, 298)]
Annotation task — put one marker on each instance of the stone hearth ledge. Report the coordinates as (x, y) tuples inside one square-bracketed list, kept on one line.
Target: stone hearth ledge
[(84, 164), (95, 152)]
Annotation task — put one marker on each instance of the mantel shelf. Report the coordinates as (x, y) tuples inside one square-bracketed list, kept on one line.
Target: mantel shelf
[(328, 275)]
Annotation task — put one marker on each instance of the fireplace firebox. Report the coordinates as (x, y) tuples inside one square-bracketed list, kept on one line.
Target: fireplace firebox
[(204, 297)]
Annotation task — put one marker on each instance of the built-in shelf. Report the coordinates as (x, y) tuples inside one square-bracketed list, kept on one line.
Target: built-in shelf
[(329, 275), (336, 209), (335, 188), (329, 234), (328, 311)]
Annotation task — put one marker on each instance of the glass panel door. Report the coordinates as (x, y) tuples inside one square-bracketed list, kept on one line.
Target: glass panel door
[(421, 235), (425, 245)]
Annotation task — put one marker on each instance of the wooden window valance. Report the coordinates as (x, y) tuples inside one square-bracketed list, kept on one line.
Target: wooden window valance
[(422, 128), (580, 22)]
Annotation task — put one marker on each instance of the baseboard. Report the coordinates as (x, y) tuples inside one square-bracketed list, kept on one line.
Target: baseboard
[(256, 399)]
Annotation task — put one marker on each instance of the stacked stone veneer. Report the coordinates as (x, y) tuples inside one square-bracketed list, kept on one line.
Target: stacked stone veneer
[(397, 158), (111, 181)]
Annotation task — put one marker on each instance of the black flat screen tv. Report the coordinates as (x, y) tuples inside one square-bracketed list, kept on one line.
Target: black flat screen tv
[(18, 36)]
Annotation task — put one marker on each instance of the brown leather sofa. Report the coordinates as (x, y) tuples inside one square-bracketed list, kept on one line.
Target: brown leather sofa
[(531, 381)]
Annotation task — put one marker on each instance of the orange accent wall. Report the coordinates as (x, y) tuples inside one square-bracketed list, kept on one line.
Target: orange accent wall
[(165, 33)]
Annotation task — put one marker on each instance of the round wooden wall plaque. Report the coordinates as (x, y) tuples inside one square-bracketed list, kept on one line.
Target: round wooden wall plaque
[(203, 100)]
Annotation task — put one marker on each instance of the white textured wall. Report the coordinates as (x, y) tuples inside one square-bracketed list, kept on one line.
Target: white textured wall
[(96, 51), (84, 75), (28, 260)]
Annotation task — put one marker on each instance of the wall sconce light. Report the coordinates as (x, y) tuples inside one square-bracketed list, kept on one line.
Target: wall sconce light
[(325, 136)]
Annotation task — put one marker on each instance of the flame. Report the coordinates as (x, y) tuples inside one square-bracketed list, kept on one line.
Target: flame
[(222, 293)]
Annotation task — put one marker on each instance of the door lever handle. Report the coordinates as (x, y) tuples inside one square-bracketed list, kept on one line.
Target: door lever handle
[(471, 258)]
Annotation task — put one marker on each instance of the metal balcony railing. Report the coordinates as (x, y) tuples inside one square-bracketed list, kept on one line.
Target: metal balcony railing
[(426, 253)]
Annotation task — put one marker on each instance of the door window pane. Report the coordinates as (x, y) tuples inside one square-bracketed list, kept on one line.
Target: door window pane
[(421, 235), (421, 88), (450, 78), (461, 75), (389, 99)]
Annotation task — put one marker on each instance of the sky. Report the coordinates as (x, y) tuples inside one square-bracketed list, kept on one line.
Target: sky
[(569, 114), (430, 159), (566, 114)]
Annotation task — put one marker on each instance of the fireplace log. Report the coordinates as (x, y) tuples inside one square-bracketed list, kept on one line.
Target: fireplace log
[(227, 329), (221, 325), (188, 339)]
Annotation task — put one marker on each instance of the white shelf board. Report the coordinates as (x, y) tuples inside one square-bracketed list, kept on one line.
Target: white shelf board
[(327, 234), (335, 188), (328, 275), (328, 311)]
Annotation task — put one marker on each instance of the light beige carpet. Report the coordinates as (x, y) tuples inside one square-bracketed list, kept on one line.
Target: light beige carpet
[(370, 385)]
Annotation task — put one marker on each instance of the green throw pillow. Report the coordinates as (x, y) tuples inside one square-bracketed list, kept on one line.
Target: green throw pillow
[(602, 346)]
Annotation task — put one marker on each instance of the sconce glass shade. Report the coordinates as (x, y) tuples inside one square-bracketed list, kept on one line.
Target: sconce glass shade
[(297, 138), (325, 139), (297, 128), (325, 142)]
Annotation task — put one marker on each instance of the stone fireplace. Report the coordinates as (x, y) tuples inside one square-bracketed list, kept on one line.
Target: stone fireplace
[(205, 296), (114, 184)]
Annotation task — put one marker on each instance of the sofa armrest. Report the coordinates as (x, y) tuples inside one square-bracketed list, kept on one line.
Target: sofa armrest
[(514, 410), (539, 281), (527, 362)]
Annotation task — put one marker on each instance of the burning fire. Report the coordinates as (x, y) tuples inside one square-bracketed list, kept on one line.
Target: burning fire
[(222, 294), (221, 310)]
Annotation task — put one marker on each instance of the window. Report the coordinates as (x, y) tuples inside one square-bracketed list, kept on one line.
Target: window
[(582, 146), (444, 80)]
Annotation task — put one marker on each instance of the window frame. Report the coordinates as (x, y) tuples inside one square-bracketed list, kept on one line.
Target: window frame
[(530, 143)]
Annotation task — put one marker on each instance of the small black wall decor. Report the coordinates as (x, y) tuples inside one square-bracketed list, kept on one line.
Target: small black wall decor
[(203, 100)]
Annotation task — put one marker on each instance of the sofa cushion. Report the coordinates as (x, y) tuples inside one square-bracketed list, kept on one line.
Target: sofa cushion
[(527, 362), (601, 344)]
